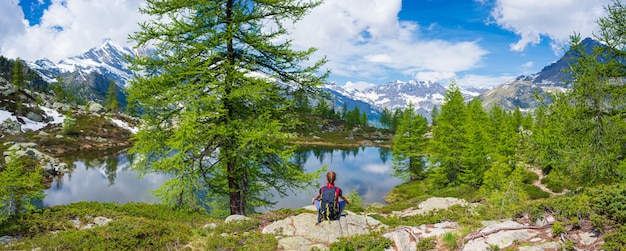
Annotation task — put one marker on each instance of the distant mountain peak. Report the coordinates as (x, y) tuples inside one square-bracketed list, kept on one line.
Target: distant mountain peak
[(108, 59)]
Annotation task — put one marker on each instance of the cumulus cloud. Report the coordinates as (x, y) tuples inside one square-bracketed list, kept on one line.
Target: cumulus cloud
[(554, 19), (364, 39), (481, 81), (11, 20), (434, 76), (69, 27), (358, 85)]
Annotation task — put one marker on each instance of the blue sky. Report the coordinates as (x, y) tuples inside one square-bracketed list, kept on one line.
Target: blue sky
[(479, 43)]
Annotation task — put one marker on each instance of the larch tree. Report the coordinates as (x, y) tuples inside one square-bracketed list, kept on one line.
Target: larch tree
[(586, 124), (18, 74), (111, 102), (449, 141), (409, 146), (216, 114), (478, 153)]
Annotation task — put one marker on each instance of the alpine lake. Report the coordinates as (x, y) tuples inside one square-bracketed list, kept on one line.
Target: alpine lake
[(108, 177)]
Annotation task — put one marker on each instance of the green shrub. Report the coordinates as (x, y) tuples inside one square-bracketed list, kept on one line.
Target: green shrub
[(615, 240), (450, 239), (557, 228), (609, 201), (529, 177), (553, 185), (371, 241), (18, 186), (356, 202), (535, 192), (493, 247), (426, 244), (120, 234), (239, 241)]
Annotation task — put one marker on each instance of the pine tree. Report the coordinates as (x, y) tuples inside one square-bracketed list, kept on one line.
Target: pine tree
[(478, 153), (18, 74), (18, 187), (111, 102), (409, 146), (449, 138), (583, 133), (218, 130), (386, 118), (363, 119), (433, 115)]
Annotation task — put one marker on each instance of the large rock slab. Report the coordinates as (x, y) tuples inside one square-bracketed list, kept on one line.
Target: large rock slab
[(405, 238), (503, 234), (434, 203), (302, 232)]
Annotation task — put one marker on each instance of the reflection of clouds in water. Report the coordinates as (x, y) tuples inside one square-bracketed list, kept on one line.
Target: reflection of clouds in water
[(90, 184), (365, 173), (376, 168)]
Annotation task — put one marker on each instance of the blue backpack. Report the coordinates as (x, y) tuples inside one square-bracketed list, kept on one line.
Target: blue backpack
[(329, 209)]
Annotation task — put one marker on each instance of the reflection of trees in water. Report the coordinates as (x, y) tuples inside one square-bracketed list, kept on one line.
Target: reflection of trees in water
[(110, 168), (109, 160), (58, 179), (321, 153), (384, 154), (300, 158)]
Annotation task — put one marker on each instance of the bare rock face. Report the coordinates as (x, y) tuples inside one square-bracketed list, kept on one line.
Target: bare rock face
[(433, 203), (302, 232)]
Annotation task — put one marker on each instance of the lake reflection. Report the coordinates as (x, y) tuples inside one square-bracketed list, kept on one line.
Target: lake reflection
[(366, 170), (107, 178), (103, 179)]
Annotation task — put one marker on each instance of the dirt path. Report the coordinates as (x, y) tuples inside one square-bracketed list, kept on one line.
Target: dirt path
[(540, 185)]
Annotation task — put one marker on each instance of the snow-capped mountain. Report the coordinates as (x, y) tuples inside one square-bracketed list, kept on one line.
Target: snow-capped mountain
[(109, 60), (398, 95), (520, 92), (89, 74)]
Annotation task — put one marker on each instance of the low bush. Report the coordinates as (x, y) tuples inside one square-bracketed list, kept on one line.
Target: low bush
[(450, 239), (535, 192), (553, 184), (529, 177), (120, 234), (239, 241), (372, 241), (426, 244)]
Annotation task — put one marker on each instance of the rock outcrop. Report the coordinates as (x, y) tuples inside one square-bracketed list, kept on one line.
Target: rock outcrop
[(49, 164), (302, 232)]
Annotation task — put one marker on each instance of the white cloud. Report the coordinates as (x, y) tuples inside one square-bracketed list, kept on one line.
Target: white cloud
[(69, 27), (480, 81), (528, 65), (358, 85), (364, 39), (378, 58), (555, 19), (434, 76), (11, 20)]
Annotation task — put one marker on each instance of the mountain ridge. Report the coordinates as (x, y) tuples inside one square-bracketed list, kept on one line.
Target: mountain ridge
[(92, 71)]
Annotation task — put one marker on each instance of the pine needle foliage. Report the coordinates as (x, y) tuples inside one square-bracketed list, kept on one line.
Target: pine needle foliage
[(216, 118)]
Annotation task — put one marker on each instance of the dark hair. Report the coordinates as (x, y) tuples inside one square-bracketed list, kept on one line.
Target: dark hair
[(331, 177)]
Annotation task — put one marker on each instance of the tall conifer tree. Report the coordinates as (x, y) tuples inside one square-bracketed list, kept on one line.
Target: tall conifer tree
[(211, 121), (450, 138), (587, 124), (409, 145)]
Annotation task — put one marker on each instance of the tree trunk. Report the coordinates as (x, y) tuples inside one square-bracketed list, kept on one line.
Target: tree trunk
[(236, 200)]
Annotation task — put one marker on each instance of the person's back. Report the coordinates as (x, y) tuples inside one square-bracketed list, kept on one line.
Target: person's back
[(326, 201), (329, 208)]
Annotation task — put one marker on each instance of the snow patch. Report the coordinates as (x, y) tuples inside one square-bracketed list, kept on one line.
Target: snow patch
[(124, 125)]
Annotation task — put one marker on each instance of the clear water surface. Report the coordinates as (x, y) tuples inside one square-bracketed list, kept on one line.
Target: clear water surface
[(108, 178)]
